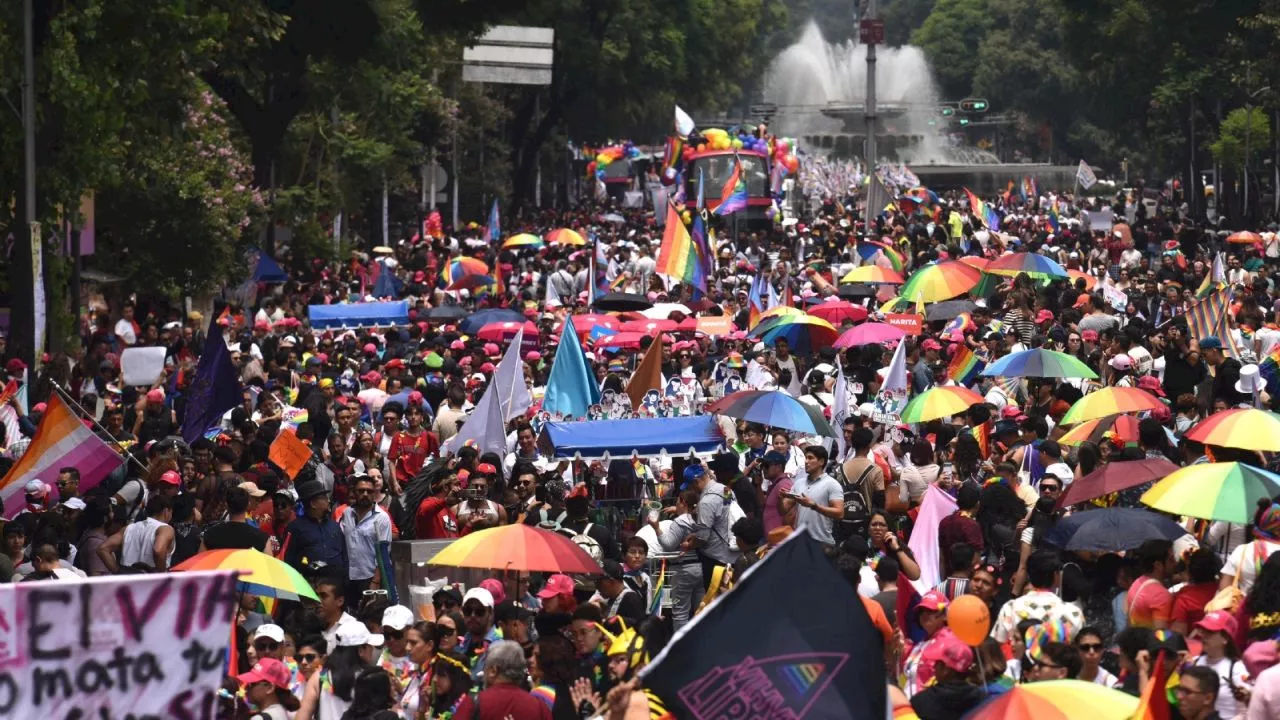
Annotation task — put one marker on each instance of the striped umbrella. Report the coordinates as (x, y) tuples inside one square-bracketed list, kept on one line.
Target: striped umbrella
[(517, 547), (773, 408), (873, 274), (1058, 700), (565, 236), (1029, 263), (260, 574), (522, 240), (838, 312), (1110, 401), (940, 281), (1226, 491), (804, 333), (940, 402), (463, 266), (1244, 237), (1247, 429), (1123, 426), (1090, 282), (1039, 363)]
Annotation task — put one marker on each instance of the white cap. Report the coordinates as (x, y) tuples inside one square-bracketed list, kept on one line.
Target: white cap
[(397, 617), (75, 503), (1062, 471), (36, 487), (269, 631), (355, 634), (480, 595)]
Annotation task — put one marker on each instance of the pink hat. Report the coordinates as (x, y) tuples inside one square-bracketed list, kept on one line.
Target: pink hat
[(934, 601), (370, 349), (930, 344), (373, 377), (1121, 362), (267, 670), (490, 349), (494, 586), (1044, 316), (949, 650), (1151, 384), (556, 585), (487, 367), (1218, 621), (155, 395), (465, 361), (532, 356), (457, 345), (171, 477)]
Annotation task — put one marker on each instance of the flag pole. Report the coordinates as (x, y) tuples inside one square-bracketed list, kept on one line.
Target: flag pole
[(66, 397)]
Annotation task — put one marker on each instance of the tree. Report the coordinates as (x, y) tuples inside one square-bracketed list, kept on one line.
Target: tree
[(1244, 130), (950, 37), (902, 17)]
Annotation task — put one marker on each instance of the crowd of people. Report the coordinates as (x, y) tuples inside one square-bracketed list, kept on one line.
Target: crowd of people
[(376, 406)]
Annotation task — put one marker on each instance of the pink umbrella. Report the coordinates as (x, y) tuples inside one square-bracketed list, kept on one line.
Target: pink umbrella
[(868, 334), (621, 341), (837, 312), (503, 331), (648, 327), (583, 324)]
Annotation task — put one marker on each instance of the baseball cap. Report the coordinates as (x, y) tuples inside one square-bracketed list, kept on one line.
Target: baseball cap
[(480, 595), (155, 395), (691, 474), (1218, 621), (934, 601), (269, 631), (1151, 384), (397, 617), (509, 610), (1089, 335), (612, 569), (355, 634), (1044, 316), (930, 344), (171, 477), (485, 469), (75, 503), (556, 585), (267, 670), (1062, 471), (773, 457), (1210, 343), (253, 489), (950, 651), (1081, 299), (1121, 362), (36, 487)]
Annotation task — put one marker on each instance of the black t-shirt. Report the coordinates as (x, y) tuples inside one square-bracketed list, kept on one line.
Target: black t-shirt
[(631, 607), (234, 536)]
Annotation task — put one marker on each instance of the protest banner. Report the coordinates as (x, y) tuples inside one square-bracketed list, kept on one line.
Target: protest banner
[(142, 367), (910, 323), (108, 648), (289, 453)]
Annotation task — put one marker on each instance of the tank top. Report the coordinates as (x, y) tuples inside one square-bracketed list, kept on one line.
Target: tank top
[(330, 706), (140, 542), (489, 512)]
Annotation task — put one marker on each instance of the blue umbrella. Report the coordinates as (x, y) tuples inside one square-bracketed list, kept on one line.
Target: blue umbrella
[(479, 319), (1112, 530), (1039, 363), (773, 408)]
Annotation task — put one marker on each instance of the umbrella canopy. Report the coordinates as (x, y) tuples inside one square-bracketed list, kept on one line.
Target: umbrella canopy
[(1247, 429), (479, 319), (1058, 700), (661, 311), (518, 547), (613, 218), (838, 312), (776, 312), (445, 313), (648, 327), (1115, 476), (873, 274), (975, 261), (504, 331), (1226, 491), (1029, 263), (625, 340), (1089, 281), (940, 402), (584, 324), (1244, 237), (856, 290), (1039, 363), (1110, 401), (804, 333), (260, 574), (773, 408), (565, 236), (896, 304), (1125, 426), (1112, 530), (463, 266), (622, 302), (948, 310), (869, 334), (941, 281), (522, 240)]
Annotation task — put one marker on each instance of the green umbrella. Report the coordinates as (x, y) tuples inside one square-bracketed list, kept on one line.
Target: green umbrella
[(1039, 363), (1227, 491)]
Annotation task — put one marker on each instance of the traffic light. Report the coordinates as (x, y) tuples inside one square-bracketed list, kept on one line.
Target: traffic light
[(948, 111), (964, 121), (974, 105)]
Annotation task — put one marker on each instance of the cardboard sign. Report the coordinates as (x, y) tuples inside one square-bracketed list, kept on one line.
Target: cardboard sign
[(910, 323), (142, 366), (289, 453), (715, 325), (115, 647)]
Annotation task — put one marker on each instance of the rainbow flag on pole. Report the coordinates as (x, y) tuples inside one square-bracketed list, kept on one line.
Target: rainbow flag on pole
[(733, 197), (965, 366), (682, 256)]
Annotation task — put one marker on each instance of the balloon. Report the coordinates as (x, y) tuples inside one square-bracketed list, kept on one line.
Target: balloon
[(737, 143), (687, 217), (702, 147), (591, 168), (791, 163), (782, 146), (669, 176), (969, 618), (602, 159)]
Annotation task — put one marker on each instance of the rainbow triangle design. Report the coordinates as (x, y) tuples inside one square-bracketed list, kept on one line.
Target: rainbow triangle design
[(802, 676)]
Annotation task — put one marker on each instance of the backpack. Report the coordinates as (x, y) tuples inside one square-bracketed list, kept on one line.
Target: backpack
[(582, 539), (857, 516)]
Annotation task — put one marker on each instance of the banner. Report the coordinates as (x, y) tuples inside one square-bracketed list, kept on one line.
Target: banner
[(910, 323), (142, 366), (1085, 176), (114, 647)]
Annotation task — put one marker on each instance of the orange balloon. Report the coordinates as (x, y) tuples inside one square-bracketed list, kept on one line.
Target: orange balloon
[(969, 618)]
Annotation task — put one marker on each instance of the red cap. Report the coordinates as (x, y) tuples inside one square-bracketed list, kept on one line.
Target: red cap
[(370, 349), (949, 650), (1151, 384), (155, 395), (267, 670), (171, 477), (395, 363), (486, 469), (1044, 316), (1218, 621), (1081, 300), (930, 344), (1089, 335), (933, 600), (15, 366), (556, 585)]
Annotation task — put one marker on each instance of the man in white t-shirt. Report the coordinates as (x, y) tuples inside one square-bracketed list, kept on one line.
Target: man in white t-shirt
[(817, 498), (126, 329)]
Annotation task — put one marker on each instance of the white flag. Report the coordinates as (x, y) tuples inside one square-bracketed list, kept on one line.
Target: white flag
[(506, 397), (840, 407), (1085, 176), (1218, 273), (896, 379), (552, 298), (683, 123)]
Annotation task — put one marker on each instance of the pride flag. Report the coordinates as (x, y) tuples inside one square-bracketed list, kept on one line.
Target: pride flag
[(756, 299), (733, 197), (965, 366), (1053, 215), (975, 203), (958, 326), (61, 440), (683, 256), (982, 434), (1269, 368)]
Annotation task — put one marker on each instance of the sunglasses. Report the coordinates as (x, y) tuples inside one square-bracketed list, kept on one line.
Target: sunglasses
[(1090, 647), (475, 612), (308, 657), (266, 645), (368, 593), (1050, 489)]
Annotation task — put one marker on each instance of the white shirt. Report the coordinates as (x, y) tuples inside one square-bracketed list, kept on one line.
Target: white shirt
[(331, 634), (1230, 673), (1246, 560), (124, 329)]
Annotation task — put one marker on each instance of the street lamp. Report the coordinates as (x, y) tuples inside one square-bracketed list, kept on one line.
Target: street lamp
[(1248, 131)]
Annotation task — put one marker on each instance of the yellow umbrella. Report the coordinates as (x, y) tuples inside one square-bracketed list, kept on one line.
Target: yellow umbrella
[(565, 236), (522, 240)]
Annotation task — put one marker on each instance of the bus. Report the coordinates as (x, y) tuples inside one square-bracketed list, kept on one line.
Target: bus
[(714, 168)]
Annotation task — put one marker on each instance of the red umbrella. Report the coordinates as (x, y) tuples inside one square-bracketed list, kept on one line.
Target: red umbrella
[(584, 324), (1113, 477), (504, 331), (837, 312), (621, 340), (648, 327)]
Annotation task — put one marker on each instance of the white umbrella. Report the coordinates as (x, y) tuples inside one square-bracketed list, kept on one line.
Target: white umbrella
[(661, 311)]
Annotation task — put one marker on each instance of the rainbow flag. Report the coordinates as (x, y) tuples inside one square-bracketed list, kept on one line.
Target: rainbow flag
[(1154, 704), (982, 434), (975, 203), (1053, 215), (655, 602), (672, 152), (1270, 367), (959, 325), (965, 366), (733, 197), (680, 256), (61, 440), (493, 229)]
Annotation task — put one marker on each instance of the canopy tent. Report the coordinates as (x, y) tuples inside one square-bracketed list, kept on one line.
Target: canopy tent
[(621, 438), (354, 315), (267, 270)]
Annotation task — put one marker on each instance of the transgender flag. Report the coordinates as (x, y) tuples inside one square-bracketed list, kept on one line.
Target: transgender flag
[(733, 197), (61, 440)]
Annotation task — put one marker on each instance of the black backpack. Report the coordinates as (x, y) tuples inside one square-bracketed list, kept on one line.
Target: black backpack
[(857, 516)]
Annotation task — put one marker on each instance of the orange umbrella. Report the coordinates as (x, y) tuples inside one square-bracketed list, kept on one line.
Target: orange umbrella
[(518, 547), (1244, 237), (1089, 280)]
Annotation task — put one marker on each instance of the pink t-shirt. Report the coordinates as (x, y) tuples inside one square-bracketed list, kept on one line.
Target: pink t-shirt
[(771, 517), (1149, 602)]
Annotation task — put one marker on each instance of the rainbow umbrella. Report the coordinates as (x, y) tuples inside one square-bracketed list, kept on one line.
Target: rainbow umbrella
[(260, 574), (975, 261), (1110, 401), (1247, 429), (1089, 281), (463, 266), (773, 408), (1124, 426), (1226, 491), (1039, 363), (1244, 237), (1029, 263), (896, 305), (873, 274), (522, 240), (940, 281), (839, 311), (517, 547), (804, 333), (940, 402), (869, 334), (565, 236), (777, 310), (1057, 700)]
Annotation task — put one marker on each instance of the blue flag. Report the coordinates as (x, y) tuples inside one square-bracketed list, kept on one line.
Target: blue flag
[(571, 386), (215, 388), (493, 230)]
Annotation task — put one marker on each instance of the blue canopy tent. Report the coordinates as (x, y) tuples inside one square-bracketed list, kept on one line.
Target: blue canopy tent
[(620, 438), (358, 315), (268, 270)]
